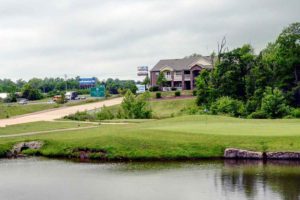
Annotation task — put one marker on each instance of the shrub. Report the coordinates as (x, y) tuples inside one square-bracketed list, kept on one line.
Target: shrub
[(192, 110), (104, 114), (227, 105), (154, 89), (158, 95), (194, 92), (258, 115), (81, 116), (296, 112), (136, 107), (177, 93), (273, 103), (12, 97)]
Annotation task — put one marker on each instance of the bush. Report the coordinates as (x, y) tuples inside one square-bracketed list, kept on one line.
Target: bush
[(192, 110), (258, 115), (296, 112), (227, 105), (104, 114), (81, 116), (12, 97), (154, 89), (158, 95), (273, 103), (136, 107), (194, 92), (177, 93)]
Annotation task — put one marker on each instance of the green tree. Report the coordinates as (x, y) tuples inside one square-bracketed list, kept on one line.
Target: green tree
[(161, 79), (146, 81), (31, 93), (274, 103)]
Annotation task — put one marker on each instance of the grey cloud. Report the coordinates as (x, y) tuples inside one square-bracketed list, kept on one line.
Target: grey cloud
[(110, 38)]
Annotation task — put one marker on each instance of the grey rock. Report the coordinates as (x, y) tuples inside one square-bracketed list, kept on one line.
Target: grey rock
[(17, 149), (242, 154), (283, 155)]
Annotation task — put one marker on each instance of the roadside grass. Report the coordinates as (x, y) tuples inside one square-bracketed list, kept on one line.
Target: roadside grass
[(7, 111), (40, 126), (14, 109), (185, 137)]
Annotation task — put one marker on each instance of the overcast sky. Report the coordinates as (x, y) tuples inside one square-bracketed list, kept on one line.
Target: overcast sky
[(50, 38)]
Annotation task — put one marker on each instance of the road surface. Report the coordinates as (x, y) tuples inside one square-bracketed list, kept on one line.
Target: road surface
[(49, 115)]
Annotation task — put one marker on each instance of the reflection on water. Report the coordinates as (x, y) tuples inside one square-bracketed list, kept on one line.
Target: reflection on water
[(282, 177), (52, 179)]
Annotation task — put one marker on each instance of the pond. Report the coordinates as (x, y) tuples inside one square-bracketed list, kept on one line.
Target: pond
[(38, 178)]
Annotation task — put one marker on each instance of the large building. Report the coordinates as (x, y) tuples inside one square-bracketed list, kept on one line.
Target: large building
[(180, 73)]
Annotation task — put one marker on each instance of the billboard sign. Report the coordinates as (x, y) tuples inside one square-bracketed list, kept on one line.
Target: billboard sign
[(140, 89), (98, 91), (87, 82), (142, 70)]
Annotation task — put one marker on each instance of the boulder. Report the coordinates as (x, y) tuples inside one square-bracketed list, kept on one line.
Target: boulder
[(283, 155), (242, 154), (17, 149)]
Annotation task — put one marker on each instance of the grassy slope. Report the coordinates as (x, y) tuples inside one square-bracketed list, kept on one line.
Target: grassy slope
[(164, 108), (172, 93), (179, 137)]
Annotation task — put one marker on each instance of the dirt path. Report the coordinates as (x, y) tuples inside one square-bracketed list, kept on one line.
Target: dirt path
[(57, 113)]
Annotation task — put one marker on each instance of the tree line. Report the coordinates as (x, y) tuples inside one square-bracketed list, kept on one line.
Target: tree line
[(37, 88), (266, 85)]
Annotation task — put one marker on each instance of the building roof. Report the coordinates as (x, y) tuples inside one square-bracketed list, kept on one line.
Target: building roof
[(184, 63)]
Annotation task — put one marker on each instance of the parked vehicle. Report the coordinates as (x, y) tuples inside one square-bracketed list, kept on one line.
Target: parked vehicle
[(71, 95), (23, 101), (56, 98)]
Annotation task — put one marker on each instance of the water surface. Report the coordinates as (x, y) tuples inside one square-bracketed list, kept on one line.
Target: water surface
[(43, 179)]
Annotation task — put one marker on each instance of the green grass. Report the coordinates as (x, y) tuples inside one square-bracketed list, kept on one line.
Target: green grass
[(176, 138)]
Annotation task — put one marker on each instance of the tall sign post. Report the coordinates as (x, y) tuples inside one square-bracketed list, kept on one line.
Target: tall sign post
[(142, 71)]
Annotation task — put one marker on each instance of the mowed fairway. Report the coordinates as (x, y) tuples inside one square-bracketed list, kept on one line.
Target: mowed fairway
[(185, 137), (220, 125)]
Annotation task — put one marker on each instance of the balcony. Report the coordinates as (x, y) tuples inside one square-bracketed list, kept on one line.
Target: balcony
[(187, 77), (177, 77)]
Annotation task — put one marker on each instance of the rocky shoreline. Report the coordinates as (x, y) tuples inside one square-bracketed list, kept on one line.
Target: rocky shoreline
[(233, 153), (93, 154)]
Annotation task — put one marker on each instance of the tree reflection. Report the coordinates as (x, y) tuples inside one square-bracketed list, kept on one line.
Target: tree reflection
[(281, 177)]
